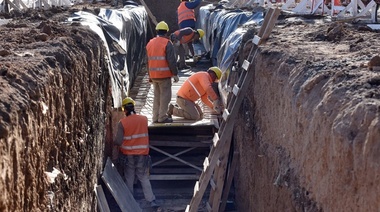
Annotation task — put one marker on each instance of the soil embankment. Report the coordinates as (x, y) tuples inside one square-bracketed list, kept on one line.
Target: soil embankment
[(309, 132), (54, 102)]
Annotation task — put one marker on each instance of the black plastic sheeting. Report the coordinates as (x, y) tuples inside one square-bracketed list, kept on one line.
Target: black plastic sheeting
[(224, 32), (124, 32)]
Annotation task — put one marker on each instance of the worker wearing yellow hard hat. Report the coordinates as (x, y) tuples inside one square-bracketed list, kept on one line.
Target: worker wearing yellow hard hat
[(197, 86), (162, 25), (162, 66), (187, 18), (132, 141), (181, 37)]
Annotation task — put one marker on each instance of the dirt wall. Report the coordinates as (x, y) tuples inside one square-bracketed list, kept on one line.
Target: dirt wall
[(166, 10), (54, 92), (308, 133)]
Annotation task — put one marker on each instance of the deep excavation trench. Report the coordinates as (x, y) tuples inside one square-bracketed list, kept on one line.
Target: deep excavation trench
[(307, 132)]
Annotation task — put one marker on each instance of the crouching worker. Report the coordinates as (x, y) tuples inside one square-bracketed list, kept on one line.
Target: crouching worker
[(132, 137), (185, 36), (197, 86)]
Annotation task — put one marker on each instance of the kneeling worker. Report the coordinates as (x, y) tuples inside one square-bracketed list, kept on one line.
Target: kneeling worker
[(197, 86), (132, 137)]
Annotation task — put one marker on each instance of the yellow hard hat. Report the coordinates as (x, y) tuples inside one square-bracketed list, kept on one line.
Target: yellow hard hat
[(162, 25), (201, 33), (128, 100), (217, 71)]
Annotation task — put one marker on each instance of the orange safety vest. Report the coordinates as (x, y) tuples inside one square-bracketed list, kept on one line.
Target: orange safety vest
[(185, 38), (185, 13), (197, 86), (157, 63), (136, 139)]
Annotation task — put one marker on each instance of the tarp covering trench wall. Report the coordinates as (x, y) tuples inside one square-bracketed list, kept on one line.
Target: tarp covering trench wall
[(124, 33), (224, 29)]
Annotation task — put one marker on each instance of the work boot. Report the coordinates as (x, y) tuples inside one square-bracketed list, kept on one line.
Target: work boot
[(170, 110), (153, 204), (167, 120)]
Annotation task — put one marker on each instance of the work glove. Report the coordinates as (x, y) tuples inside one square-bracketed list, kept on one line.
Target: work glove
[(175, 78), (217, 106)]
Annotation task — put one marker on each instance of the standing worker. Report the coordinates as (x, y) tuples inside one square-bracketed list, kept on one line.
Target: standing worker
[(186, 17), (184, 36), (186, 13), (132, 137), (197, 86), (162, 66)]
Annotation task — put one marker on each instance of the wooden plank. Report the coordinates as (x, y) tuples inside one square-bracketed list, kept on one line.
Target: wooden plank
[(178, 164), (219, 176), (118, 189), (174, 177), (177, 154), (101, 197), (225, 135), (175, 171), (230, 176), (11, 4), (176, 158), (270, 25), (179, 143)]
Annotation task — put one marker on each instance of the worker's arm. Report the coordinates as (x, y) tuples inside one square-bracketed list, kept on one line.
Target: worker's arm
[(193, 4), (170, 57), (210, 93), (205, 100), (119, 135)]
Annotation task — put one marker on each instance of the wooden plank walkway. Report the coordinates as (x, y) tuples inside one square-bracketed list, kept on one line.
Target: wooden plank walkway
[(142, 93), (177, 149)]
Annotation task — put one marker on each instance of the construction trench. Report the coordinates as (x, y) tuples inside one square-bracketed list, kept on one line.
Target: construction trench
[(305, 136)]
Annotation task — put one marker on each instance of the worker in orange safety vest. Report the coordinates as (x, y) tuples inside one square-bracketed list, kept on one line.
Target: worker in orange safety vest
[(197, 86), (181, 37), (162, 66), (186, 18), (133, 141), (186, 14)]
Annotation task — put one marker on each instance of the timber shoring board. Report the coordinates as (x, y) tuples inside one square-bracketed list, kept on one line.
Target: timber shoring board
[(119, 189), (102, 201)]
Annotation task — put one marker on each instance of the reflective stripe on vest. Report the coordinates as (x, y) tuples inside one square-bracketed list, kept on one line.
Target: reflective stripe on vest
[(135, 136), (195, 89), (157, 63), (185, 13), (135, 147), (157, 58)]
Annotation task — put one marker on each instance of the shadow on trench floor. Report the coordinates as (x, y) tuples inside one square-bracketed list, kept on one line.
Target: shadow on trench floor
[(171, 196)]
